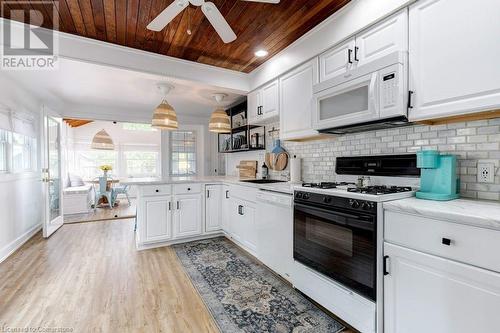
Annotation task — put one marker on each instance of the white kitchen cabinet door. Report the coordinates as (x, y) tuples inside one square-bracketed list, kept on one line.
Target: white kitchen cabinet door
[(254, 102), (270, 100), (454, 50), (188, 215), (213, 208), (425, 293), (296, 92), (236, 223), (249, 236), (226, 209), (337, 60), (157, 218), (382, 39)]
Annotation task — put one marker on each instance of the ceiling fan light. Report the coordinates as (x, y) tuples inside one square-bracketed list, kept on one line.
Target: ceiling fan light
[(164, 117), (102, 141), (219, 122)]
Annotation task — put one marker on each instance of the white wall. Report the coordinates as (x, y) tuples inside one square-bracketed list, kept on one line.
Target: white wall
[(21, 207)]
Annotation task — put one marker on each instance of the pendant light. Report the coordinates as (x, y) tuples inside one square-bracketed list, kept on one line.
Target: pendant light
[(219, 120), (164, 116), (102, 141)]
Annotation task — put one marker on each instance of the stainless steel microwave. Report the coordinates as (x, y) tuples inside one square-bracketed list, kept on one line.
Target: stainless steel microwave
[(372, 96)]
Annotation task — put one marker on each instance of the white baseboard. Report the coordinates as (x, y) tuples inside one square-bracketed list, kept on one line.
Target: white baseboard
[(7, 250)]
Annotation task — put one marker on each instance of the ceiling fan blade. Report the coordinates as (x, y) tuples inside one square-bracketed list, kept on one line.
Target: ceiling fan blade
[(167, 15), (218, 22), (265, 1)]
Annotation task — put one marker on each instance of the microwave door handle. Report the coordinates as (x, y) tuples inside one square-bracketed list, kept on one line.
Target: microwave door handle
[(372, 93)]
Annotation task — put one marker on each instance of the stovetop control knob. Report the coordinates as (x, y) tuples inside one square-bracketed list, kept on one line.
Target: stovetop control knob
[(298, 195), (305, 196), (354, 203), (367, 205), (327, 200)]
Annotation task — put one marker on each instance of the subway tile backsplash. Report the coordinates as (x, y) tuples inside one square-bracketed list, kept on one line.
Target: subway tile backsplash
[(471, 141)]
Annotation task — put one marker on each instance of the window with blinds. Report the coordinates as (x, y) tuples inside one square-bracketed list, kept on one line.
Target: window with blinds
[(183, 153)]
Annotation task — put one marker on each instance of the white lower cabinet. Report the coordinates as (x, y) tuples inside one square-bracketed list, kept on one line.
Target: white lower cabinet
[(157, 218), (426, 293), (187, 215), (226, 209), (242, 226), (213, 208)]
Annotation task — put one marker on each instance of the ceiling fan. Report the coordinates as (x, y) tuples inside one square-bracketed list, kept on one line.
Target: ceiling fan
[(208, 8)]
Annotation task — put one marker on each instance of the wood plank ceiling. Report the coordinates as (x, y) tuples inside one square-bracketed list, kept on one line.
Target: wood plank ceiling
[(258, 26)]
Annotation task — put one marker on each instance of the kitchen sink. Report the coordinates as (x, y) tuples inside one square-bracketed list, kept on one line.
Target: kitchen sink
[(263, 181)]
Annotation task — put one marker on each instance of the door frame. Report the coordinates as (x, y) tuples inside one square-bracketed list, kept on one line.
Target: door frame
[(50, 226)]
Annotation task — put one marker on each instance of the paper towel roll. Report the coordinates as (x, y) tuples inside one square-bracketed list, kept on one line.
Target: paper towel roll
[(295, 169)]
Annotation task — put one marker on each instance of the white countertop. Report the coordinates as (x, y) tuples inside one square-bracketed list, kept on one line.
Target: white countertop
[(485, 214), (282, 187)]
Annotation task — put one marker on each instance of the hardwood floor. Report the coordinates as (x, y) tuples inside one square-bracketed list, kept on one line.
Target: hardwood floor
[(89, 277)]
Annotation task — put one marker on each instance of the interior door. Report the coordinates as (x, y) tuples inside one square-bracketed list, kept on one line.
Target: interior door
[(51, 171)]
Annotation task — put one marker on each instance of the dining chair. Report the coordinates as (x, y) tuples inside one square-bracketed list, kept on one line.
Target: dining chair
[(105, 189), (121, 189)]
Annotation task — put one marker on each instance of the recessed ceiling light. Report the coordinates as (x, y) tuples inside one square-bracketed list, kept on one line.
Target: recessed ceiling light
[(261, 53)]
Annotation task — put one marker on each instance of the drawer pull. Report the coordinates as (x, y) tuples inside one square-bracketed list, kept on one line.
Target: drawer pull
[(446, 241), (189, 188), (157, 191)]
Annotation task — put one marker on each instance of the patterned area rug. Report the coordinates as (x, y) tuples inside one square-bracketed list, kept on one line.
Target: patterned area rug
[(245, 296)]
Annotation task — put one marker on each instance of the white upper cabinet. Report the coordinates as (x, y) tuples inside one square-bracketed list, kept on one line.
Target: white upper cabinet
[(385, 37), (188, 215), (263, 104), (337, 60), (382, 39), (254, 101), (454, 51), (270, 100), (213, 208), (296, 92)]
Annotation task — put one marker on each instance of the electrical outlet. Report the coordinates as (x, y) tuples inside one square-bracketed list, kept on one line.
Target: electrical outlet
[(486, 172)]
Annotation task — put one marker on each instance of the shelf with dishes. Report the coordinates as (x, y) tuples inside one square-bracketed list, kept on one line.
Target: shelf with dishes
[(243, 137)]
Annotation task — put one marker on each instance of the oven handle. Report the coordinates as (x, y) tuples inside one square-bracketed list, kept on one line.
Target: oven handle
[(314, 210)]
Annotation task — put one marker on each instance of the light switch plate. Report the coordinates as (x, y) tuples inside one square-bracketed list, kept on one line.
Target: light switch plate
[(486, 172)]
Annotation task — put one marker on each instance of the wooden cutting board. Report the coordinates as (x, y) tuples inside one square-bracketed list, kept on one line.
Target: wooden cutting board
[(248, 169), (281, 162)]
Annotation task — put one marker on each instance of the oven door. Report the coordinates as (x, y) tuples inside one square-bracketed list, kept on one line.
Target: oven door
[(348, 103), (338, 244)]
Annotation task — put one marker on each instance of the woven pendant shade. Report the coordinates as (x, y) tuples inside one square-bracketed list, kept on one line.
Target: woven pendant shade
[(219, 122), (102, 141), (164, 117)]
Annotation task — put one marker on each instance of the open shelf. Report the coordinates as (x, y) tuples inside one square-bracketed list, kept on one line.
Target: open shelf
[(241, 133)]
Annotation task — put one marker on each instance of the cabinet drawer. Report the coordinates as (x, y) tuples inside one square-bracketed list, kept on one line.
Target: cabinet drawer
[(156, 190), (246, 193), (187, 188), (468, 244)]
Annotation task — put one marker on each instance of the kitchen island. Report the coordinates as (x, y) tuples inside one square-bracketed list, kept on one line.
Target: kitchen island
[(182, 209)]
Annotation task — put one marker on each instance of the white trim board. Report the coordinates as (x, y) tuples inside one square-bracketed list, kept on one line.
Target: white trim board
[(107, 54), (18, 242)]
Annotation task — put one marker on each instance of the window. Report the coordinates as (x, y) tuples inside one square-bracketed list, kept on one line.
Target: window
[(87, 162), (182, 153), (23, 148), (138, 127), (4, 144), (141, 163)]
